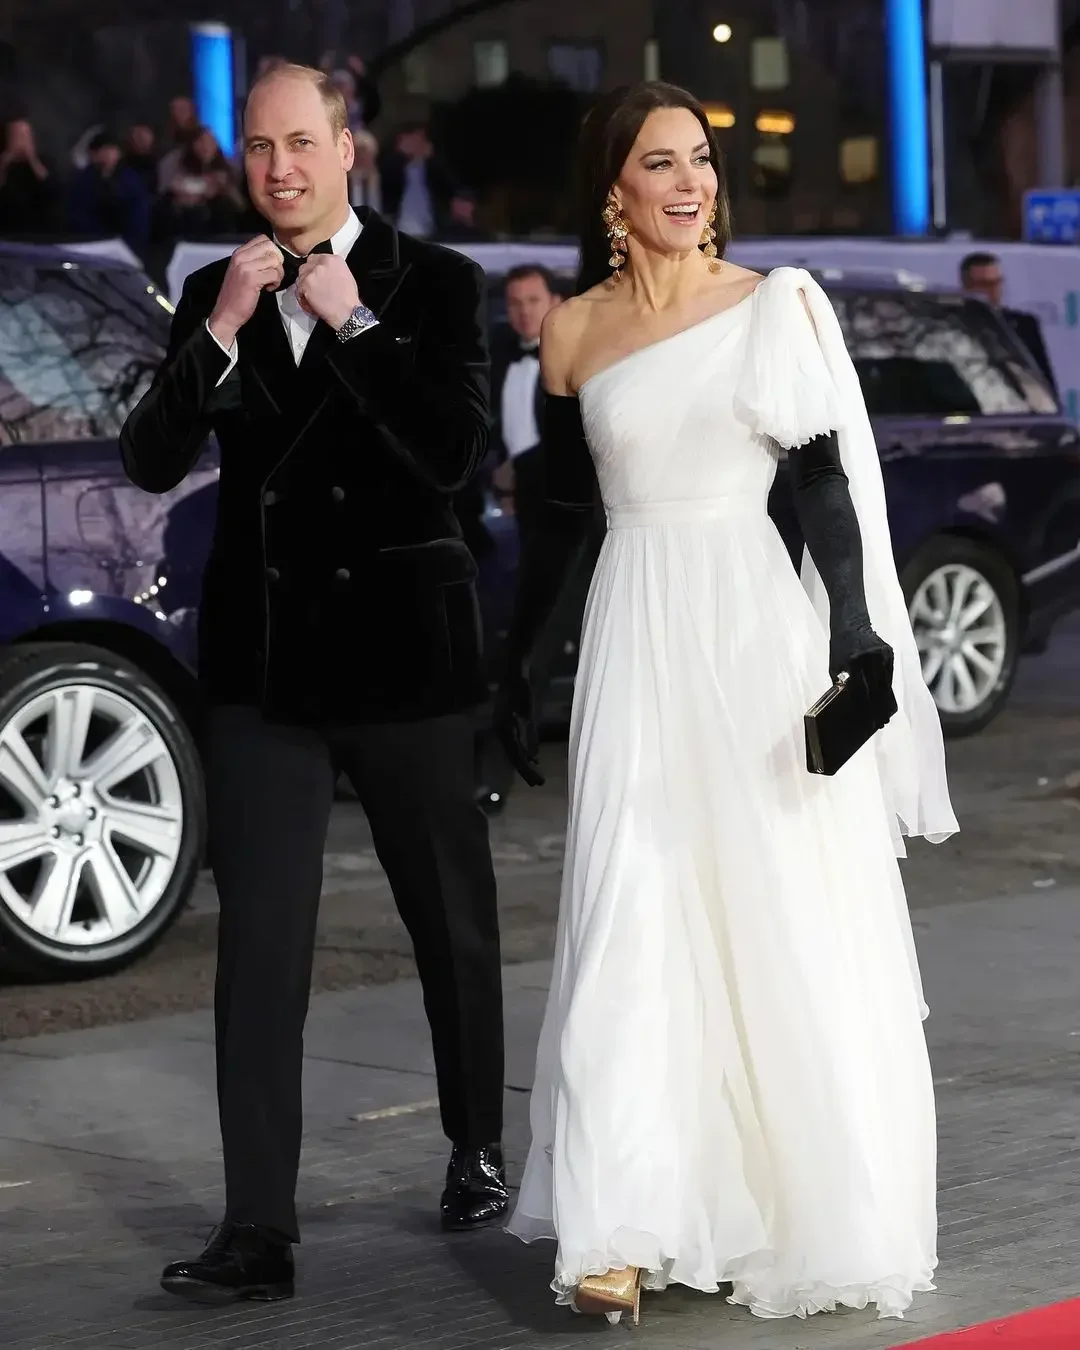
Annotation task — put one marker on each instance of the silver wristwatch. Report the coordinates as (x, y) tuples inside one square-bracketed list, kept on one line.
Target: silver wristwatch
[(359, 321)]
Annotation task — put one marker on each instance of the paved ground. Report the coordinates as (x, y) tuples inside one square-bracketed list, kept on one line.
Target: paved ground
[(108, 1159), (108, 1168)]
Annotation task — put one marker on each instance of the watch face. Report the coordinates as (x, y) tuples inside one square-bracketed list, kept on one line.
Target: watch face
[(358, 321)]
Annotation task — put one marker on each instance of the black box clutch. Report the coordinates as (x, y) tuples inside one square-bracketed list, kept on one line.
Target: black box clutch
[(842, 721)]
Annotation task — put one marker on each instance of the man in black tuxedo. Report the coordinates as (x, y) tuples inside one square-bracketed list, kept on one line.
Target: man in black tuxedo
[(982, 274), (344, 370), (516, 397)]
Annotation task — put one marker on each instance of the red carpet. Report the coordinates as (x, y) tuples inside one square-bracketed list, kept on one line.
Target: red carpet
[(1054, 1328)]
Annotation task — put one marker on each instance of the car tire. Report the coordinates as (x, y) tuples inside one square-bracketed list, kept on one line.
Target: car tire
[(102, 813), (958, 589)]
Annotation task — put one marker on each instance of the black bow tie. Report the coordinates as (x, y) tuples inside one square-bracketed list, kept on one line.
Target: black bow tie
[(524, 349), (292, 264)]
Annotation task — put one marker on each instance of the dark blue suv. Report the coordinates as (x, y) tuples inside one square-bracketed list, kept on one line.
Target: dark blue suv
[(101, 813)]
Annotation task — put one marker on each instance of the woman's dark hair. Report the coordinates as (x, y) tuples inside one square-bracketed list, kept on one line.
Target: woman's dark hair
[(607, 137)]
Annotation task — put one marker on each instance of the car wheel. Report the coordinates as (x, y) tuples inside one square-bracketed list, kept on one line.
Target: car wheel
[(963, 601), (102, 819)]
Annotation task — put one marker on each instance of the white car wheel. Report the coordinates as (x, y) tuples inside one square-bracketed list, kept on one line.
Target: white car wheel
[(962, 601), (100, 808)]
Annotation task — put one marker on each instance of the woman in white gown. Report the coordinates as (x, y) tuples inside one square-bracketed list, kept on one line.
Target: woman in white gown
[(732, 1083)]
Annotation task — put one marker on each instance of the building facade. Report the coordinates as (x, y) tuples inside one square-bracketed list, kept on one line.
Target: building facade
[(795, 88), (804, 147)]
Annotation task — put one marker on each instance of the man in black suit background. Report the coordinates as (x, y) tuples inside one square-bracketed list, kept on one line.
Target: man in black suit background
[(982, 274), (344, 369), (417, 185), (518, 476), (516, 396)]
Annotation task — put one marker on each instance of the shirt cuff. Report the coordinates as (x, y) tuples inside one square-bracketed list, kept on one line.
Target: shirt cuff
[(233, 353)]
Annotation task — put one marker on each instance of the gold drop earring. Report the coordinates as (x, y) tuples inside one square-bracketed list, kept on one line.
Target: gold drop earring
[(617, 229), (708, 242)]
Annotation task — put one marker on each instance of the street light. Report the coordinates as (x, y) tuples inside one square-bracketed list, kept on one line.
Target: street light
[(722, 32)]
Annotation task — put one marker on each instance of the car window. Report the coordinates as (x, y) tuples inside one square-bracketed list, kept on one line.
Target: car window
[(78, 348), (924, 355), (1006, 353)]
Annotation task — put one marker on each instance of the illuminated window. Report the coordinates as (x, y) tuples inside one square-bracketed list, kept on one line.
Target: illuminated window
[(771, 167), (859, 156), (578, 65), (415, 70), (774, 123), (769, 63), (719, 115), (491, 62)]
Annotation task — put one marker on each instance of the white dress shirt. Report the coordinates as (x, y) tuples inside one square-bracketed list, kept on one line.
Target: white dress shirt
[(517, 407), (299, 325)]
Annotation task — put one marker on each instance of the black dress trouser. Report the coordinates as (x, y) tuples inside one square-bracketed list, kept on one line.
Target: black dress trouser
[(494, 772), (270, 789)]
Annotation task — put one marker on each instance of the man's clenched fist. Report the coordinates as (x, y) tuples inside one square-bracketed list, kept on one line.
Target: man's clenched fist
[(255, 267), (327, 289)]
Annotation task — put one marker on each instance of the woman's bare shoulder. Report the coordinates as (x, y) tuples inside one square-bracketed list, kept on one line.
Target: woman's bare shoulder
[(562, 336)]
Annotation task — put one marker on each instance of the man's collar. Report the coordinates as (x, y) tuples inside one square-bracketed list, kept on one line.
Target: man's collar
[(340, 242)]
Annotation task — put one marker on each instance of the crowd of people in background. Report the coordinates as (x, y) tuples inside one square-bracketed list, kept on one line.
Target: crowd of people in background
[(153, 186)]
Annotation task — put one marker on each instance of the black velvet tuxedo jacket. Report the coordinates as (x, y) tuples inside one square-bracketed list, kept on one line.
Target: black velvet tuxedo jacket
[(338, 588)]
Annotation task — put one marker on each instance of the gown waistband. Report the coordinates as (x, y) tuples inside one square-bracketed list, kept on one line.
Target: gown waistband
[(679, 512)]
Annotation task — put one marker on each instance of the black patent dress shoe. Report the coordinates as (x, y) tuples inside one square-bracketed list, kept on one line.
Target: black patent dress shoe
[(241, 1261), (476, 1193)]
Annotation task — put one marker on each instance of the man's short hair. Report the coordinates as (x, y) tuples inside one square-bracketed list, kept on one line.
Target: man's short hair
[(524, 270), (980, 259), (333, 99)]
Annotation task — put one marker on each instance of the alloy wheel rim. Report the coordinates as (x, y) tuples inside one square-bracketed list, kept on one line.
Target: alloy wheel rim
[(962, 637), (91, 816)]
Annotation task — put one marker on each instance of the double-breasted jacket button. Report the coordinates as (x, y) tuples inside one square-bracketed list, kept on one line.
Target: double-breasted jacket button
[(272, 574), (338, 494), (342, 574), (269, 497)]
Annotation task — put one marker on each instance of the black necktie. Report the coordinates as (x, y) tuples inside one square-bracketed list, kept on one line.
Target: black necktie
[(292, 263)]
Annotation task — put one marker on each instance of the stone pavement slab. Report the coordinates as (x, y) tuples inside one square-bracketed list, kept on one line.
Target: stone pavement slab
[(109, 1168)]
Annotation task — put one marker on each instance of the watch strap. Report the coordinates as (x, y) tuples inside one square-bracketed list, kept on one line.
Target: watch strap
[(359, 321)]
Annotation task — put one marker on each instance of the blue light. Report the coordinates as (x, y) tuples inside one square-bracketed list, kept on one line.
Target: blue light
[(908, 134), (212, 71)]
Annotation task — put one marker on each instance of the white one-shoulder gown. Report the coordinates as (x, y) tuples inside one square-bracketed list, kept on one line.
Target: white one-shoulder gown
[(732, 1082)]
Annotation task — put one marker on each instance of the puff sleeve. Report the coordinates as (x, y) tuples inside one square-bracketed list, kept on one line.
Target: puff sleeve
[(787, 390)]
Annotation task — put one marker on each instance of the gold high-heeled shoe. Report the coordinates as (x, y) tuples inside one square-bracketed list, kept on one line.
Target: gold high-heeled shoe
[(612, 1294)]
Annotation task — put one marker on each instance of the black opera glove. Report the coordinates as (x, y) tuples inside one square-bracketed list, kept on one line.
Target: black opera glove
[(547, 557), (830, 528), (515, 725)]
